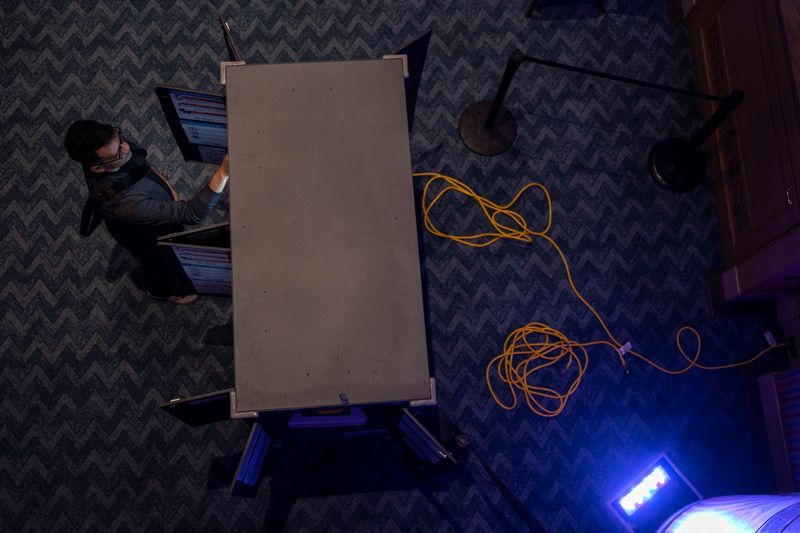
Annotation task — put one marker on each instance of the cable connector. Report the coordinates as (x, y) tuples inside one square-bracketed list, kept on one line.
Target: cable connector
[(770, 338), (625, 348)]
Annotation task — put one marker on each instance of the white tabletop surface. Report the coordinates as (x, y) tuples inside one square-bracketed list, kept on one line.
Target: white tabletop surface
[(327, 297)]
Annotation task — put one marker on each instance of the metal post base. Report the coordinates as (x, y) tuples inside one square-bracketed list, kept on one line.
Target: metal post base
[(483, 141), (677, 165)]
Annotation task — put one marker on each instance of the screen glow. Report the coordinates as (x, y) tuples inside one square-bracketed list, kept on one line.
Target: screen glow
[(644, 490)]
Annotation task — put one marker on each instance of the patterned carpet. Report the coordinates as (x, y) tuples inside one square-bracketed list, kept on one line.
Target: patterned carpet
[(86, 357)]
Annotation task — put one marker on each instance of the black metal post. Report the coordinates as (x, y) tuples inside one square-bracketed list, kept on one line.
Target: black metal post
[(677, 164), (730, 103), (488, 128), (623, 79), (516, 59)]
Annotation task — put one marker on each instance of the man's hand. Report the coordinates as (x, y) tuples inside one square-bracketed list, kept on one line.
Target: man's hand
[(220, 177)]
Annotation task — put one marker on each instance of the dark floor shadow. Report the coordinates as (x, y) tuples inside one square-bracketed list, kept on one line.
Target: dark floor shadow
[(329, 467), (219, 335), (590, 9), (375, 463), (344, 466), (222, 470), (446, 513), (564, 10), (122, 264), (428, 158), (512, 500)]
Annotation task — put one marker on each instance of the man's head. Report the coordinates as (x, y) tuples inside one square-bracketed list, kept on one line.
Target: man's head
[(98, 146)]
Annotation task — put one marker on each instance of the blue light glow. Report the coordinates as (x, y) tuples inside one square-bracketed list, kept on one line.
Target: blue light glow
[(717, 521), (644, 490)]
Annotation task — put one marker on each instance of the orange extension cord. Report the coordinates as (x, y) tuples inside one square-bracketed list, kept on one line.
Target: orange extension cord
[(535, 346)]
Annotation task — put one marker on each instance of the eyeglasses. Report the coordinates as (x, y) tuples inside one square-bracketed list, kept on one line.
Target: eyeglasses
[(119, 155)]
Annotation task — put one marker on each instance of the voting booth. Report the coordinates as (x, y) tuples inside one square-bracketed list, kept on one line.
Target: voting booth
[(328, 316), (202, 258), (327, 296)]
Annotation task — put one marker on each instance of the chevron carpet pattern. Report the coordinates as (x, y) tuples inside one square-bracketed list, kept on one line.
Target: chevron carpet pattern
[(86, 357)]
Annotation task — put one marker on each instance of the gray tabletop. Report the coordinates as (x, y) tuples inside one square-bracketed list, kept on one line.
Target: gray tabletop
[(327, 297)]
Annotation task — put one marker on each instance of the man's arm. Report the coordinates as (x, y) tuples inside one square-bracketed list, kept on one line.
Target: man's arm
[(220, 177), (138, 206)]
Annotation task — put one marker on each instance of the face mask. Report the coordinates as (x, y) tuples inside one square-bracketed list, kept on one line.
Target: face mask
[(136, 167)]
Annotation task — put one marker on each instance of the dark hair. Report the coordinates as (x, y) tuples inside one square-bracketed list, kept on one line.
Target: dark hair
[(84, 137)]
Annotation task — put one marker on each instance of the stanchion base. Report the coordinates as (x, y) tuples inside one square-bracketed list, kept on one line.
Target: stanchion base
[(676, 165), (472, 128)]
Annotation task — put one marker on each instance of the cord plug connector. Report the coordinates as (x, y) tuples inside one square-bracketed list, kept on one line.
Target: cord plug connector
[(625, 348)]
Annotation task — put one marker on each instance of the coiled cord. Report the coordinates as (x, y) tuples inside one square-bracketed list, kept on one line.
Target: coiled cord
[(536, 347)]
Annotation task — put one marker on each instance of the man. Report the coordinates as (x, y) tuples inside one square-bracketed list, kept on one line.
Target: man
[(136, 202)]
